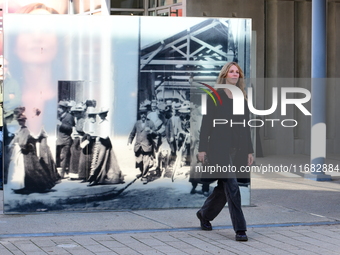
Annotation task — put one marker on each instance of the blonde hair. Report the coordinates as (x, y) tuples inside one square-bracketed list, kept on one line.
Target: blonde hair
[(223, 75)]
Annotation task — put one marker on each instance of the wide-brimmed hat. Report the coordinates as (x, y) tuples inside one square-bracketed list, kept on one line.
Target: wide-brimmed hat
[(71, 103), (63, 103), (186, 103), (21, 117), (103, 110), (184, 109), (77, 108), (177, 106), (91, 111), (142, 109), (146, 102)]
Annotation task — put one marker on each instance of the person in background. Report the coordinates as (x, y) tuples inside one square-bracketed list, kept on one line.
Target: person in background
[(30, 170), (156, 117), (195, 176), (143, 148), (10, 97), (172, 130), (87, 144), (183, 136), (78, 112), (64, 139), (104, 165)]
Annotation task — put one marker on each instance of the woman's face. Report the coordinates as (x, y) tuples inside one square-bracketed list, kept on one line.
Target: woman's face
[(233, 75), (38, 46), (92, 118)]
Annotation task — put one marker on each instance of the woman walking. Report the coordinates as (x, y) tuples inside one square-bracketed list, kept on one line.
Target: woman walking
[(226, 145)]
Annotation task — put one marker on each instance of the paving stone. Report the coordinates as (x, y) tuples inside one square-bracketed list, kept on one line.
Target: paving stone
[(5, 252), (111, 244), (126, 251)]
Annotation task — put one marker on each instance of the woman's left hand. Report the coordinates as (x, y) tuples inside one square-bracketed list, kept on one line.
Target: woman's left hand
[(250, 159)]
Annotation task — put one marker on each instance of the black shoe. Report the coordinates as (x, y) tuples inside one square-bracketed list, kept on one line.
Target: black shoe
[(91, 178), (144, 180), (93, 183), (205, 224), (206, 193), (241, 236)]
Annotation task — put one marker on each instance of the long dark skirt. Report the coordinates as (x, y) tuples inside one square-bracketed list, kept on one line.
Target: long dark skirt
[(40, 173), (85, 160), (75, 157), (104, 166)]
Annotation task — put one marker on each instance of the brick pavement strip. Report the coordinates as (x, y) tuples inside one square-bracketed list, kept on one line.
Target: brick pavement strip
[(84, 240), (56, 250), (10, 247), (151, 241), (106, 253), (4, 251), (314, 239), (77, 251), (111, 244), (44, 242), (126, 250), (164, 237), (166, 249)]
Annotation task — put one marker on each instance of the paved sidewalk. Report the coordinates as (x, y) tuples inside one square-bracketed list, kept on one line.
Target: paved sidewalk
[(315, 239), (289, 215)]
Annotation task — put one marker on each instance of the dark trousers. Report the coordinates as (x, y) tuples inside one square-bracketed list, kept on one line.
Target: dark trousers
[(63, 156), (227, 190)]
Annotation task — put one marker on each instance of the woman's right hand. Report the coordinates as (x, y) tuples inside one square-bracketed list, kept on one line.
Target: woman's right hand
[(201, 156)]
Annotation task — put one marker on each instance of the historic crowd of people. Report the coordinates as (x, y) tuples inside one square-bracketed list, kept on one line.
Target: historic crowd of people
[(162, 137), (83, 152), (84, 149)]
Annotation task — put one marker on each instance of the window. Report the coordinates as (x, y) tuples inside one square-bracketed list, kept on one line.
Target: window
[(127, 4)]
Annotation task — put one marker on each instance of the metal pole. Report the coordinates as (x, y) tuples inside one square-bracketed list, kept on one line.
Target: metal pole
[(319, 64)]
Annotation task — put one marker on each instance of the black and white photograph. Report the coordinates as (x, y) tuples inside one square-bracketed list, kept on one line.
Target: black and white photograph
[(105, 113)]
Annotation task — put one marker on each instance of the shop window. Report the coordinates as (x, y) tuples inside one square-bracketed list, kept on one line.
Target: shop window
[(158, 3), (127, 3), (152, 4)]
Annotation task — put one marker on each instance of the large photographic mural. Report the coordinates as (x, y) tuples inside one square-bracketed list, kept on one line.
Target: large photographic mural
[(76, 91)]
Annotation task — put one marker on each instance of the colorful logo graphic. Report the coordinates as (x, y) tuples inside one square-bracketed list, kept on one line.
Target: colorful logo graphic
[(211, 94)]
